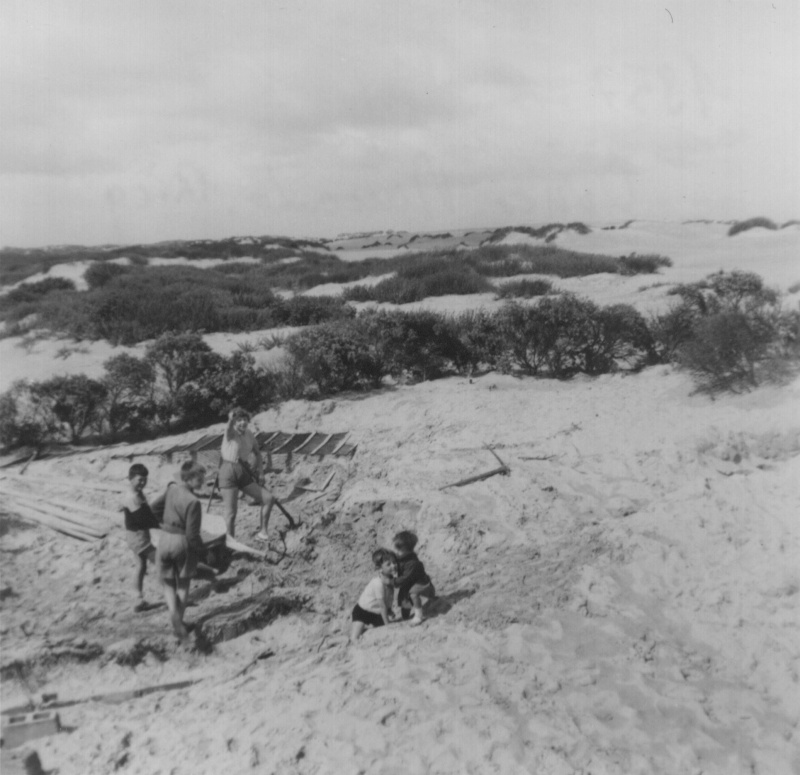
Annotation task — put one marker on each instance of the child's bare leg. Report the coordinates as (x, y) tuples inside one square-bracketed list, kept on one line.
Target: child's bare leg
[(266, 501), (174, 608), (230, 500), (182, 594), (356, 631), (140, 574)]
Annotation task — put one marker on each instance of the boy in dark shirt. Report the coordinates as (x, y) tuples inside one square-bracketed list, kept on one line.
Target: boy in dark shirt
[(412, 583), (139, 520)]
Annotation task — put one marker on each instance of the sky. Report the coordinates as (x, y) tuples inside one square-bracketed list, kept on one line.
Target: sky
[(143, 121)]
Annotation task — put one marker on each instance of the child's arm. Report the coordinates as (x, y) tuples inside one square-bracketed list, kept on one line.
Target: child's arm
[(229, 431), (385, 609)]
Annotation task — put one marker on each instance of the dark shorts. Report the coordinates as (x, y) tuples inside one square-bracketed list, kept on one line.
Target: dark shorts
[(176, 561), (138, 541), (367, 617), (234, 475)]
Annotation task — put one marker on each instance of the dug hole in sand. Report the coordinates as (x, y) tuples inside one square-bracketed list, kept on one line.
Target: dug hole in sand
[(625, 600)]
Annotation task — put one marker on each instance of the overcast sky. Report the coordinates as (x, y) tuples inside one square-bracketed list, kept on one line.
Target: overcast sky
[(148, 120)]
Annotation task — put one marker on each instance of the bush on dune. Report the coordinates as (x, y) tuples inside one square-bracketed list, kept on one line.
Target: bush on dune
[(730, 332), (524, 289), (751, 223)]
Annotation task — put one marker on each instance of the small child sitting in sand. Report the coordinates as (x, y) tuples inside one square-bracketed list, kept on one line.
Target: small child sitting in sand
[(374, 607), (139, 520), (412, 582)]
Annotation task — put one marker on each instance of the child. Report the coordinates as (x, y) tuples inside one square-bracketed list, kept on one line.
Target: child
[(180, 543), (139, 520), (412, 582), (238, 444), (374, 607)]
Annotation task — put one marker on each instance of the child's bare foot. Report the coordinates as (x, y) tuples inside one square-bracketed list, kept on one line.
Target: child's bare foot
[(262, 536)]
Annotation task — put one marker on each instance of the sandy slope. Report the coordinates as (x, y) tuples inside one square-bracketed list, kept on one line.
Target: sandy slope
[(628, 604)]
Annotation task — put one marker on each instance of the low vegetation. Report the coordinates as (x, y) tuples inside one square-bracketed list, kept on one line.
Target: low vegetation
[(524, 289), (751, 223), (135, 302)]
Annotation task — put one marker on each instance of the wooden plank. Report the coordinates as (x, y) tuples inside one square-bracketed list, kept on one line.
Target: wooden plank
[(86, 526), (290, 445), (314, 440), (60, 525), (91, 513)]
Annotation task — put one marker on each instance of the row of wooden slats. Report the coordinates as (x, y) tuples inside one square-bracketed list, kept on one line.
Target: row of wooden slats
[(275, 442)]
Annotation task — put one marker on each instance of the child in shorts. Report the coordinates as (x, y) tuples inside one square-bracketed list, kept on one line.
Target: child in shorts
[(139, 520), (412, 582), (374, 607)]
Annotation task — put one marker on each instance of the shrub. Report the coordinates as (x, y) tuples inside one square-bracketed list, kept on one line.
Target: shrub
[(227, 382), (525, 337), (130, 393), (751, 223), (100, 273), (336, 357), (420, 345), (739, 334), (524, 289), (19, 423), (647, 264), (481, 340), (72, 403), (670, 330), (725, 350)]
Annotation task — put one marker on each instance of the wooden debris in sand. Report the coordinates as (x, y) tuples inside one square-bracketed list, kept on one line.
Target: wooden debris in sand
[(503, 469)]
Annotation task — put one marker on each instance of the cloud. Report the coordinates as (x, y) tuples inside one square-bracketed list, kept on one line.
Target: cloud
[(145, 120)]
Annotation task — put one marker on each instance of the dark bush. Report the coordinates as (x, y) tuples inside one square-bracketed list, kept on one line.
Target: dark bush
[(739, 334), (524, 289), (647, 264), (20, 423), (725, 350), (71, 404), (336, 357), (420, 345), (100, 273), (751, 223)]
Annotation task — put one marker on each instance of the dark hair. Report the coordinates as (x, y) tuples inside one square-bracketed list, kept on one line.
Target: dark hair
[(379, 556), (406, 539), (237, 413), (190, 470), (137, 469)]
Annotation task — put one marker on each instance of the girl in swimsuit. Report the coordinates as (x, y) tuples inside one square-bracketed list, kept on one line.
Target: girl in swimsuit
[(238, 444)]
